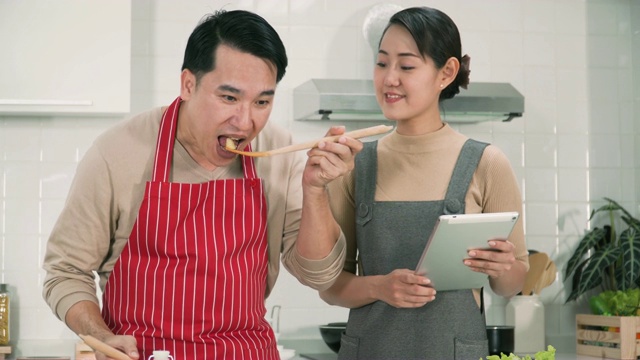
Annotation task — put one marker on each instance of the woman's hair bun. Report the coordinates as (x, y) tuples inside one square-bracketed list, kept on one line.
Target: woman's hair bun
[(463, 73)]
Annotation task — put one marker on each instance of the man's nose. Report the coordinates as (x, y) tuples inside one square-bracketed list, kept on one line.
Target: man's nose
[(242, 118)]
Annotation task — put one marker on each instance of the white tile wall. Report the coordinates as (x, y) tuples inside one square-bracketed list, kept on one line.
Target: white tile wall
[(576, 61)]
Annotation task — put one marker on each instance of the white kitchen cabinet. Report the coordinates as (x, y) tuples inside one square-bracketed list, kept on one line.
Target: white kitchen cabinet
[(65, 57)]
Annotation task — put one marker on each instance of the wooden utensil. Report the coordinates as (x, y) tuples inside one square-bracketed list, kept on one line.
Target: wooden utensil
[(106, 349), (547, 278), (537, 264), (356, 134)]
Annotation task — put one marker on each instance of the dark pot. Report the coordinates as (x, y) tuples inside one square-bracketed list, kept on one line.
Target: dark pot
[(332, 334), (500, 339)]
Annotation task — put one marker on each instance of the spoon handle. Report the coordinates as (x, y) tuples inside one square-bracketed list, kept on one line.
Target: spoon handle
[(104, 348)]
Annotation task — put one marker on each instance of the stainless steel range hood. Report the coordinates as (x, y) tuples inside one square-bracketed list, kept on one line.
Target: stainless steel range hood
[(349, 100)]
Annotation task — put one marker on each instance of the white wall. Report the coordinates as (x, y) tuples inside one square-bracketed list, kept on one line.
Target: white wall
[(576, 61)]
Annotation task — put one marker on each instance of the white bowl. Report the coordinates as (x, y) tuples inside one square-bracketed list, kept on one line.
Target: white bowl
[(286, 354)]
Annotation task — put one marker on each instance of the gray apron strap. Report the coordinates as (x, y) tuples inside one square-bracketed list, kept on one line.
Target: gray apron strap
[(366, 173), (454, 200)]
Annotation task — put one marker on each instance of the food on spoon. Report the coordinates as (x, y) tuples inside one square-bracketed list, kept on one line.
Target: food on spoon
[(231, 144)]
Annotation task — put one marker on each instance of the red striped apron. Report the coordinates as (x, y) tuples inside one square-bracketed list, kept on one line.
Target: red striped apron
[(192, 276)]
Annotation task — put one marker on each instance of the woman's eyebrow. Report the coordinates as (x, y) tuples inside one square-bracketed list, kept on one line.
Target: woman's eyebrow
[(407, 54)]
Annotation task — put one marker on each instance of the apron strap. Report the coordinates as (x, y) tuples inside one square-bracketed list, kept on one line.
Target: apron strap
[(366, 174), (166, 139), (454, 200), (248, 166)]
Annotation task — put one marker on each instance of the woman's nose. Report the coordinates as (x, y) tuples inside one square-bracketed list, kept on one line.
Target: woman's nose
[(391, 78)]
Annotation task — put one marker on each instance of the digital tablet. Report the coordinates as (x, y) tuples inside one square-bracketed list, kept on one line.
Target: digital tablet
[(442, 258)]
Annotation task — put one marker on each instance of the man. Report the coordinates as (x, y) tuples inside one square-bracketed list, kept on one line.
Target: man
[(185, 236)]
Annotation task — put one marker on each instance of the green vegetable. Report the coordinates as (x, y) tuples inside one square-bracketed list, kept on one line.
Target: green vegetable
[(549, 354), (599, 306), (616, 303)]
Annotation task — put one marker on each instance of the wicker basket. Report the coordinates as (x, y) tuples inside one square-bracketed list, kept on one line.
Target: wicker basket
[(595, 338)]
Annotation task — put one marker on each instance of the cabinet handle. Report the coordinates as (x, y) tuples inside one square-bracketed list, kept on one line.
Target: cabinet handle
[(44, 102)]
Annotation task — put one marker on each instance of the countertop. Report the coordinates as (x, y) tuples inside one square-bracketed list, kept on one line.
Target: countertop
[(317, 349), (314, 347), (559, 356)]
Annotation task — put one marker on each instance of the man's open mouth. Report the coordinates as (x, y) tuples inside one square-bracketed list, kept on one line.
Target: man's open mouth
[(229, 142)]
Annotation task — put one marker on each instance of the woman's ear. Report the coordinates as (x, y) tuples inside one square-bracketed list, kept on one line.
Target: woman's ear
[(449, 72)]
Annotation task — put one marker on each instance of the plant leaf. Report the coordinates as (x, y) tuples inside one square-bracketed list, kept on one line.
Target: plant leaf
[(628, 218), (594, 271), (610, 206), (629, 272), (589, 241), (577, 275)]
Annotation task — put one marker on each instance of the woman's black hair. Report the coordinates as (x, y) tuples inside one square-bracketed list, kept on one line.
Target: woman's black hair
[(242, 30), (438, 38)]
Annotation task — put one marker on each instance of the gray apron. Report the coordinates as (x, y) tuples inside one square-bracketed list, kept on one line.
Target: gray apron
[(391, 235)]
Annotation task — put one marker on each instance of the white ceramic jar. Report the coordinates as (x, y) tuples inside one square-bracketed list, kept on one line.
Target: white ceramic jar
[(526, 314)]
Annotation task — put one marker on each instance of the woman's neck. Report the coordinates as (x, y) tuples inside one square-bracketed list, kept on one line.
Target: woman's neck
[(419, 126)]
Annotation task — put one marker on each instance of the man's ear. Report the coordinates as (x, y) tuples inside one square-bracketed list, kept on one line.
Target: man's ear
[(187, 84), (449, 71)]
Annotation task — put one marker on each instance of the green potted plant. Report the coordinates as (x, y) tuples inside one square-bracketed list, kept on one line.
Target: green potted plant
[(607, 257), (607, 261)]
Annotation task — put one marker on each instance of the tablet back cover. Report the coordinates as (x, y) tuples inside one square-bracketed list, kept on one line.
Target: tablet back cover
[(453, 235)]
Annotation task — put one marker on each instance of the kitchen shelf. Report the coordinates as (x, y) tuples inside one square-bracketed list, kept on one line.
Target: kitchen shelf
[(65, 57)]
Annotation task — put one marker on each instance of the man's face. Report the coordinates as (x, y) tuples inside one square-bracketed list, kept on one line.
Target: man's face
[(232, 101)]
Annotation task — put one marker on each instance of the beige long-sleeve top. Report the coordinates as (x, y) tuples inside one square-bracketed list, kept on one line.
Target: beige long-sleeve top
[(418, 168), (107, 191)]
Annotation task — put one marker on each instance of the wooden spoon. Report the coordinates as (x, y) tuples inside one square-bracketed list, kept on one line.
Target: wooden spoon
[(537, 264), (547, 278), (106, 349), (356, 134)]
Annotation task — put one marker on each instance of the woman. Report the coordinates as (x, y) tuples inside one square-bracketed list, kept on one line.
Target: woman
[(388, 204)]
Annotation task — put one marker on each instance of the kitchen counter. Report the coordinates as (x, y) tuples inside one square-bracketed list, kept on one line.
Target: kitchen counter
[(559, 356), (317, 349)]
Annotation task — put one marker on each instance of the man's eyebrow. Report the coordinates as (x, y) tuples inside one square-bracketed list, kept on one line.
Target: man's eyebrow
[(235, 90), (229, 88)]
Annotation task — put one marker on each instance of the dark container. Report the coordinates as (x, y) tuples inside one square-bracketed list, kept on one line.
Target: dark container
[(500, 339), (332, 334)]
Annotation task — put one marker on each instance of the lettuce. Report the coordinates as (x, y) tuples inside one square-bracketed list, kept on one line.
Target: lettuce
[(616, 303), (549, 354)]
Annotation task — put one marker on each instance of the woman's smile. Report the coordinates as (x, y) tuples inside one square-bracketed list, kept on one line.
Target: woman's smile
[(392, 97)]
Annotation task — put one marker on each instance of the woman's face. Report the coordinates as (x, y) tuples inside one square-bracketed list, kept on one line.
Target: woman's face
[(407, 84)]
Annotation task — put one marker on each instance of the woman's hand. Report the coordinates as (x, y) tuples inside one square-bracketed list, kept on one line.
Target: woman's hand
[(493, 261), (402, 288), (331, 160)]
